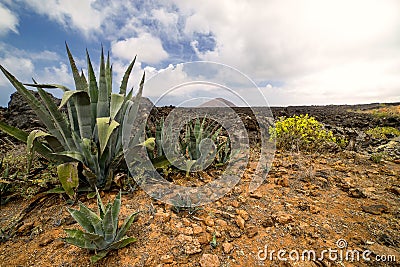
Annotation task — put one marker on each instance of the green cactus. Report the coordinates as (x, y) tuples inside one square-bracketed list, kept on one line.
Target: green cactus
[(101, 232)]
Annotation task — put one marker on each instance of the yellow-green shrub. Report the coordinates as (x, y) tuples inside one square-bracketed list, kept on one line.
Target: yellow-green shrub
[(302, 132), (382, 132)]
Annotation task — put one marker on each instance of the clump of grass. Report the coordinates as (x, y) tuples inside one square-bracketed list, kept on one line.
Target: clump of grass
[(213, 242), (303, 132), (377, 157), (383, 132)]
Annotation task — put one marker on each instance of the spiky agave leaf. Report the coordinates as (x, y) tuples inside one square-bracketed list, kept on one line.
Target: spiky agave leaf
[(68, 176), (83, 111), (95, 258), (93, 89), (122, 242), (48, 86), (59, 120), (115, 209), (80, 83), (14, 132), (100, 205), (79, 110), (29, 143), (126, 225), (105, 127), (108, 74), (93, 218), (83, 78), (103, 104), (117, 100), (77, 238), (34, 103), (124, 83), (108, 225), (23, 137)]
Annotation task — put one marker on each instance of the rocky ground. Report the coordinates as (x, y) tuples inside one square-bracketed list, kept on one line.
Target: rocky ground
[(308, 202), (341, 201)]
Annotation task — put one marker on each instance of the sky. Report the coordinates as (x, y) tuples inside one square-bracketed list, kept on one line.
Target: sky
[(308, 52)]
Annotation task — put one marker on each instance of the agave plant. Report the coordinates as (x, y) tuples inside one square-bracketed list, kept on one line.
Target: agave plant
[(224, 152), (157, 152), (190, 144), (195, 132), (101, 233), (90, 132)]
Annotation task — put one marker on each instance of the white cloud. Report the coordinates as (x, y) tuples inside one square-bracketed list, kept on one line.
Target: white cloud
[(44, 66), (21, 68), (336, 51), (119, 68), (197, 23), (318, 51), (77, 13), (148, 48), (356, 82), (8, 21), (45, 55), (166, 18), (263, 36), (57, 74)]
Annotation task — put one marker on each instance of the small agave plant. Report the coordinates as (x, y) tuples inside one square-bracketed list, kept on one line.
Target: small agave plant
[(101, 233)]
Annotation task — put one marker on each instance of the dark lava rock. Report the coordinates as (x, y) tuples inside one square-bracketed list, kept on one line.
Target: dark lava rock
[(340, 115), (2, 112), (357, 193), (375, 209), (20, 115), (342, 120)]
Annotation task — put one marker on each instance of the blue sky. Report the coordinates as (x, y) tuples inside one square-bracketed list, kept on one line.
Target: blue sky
[(296, 52)]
